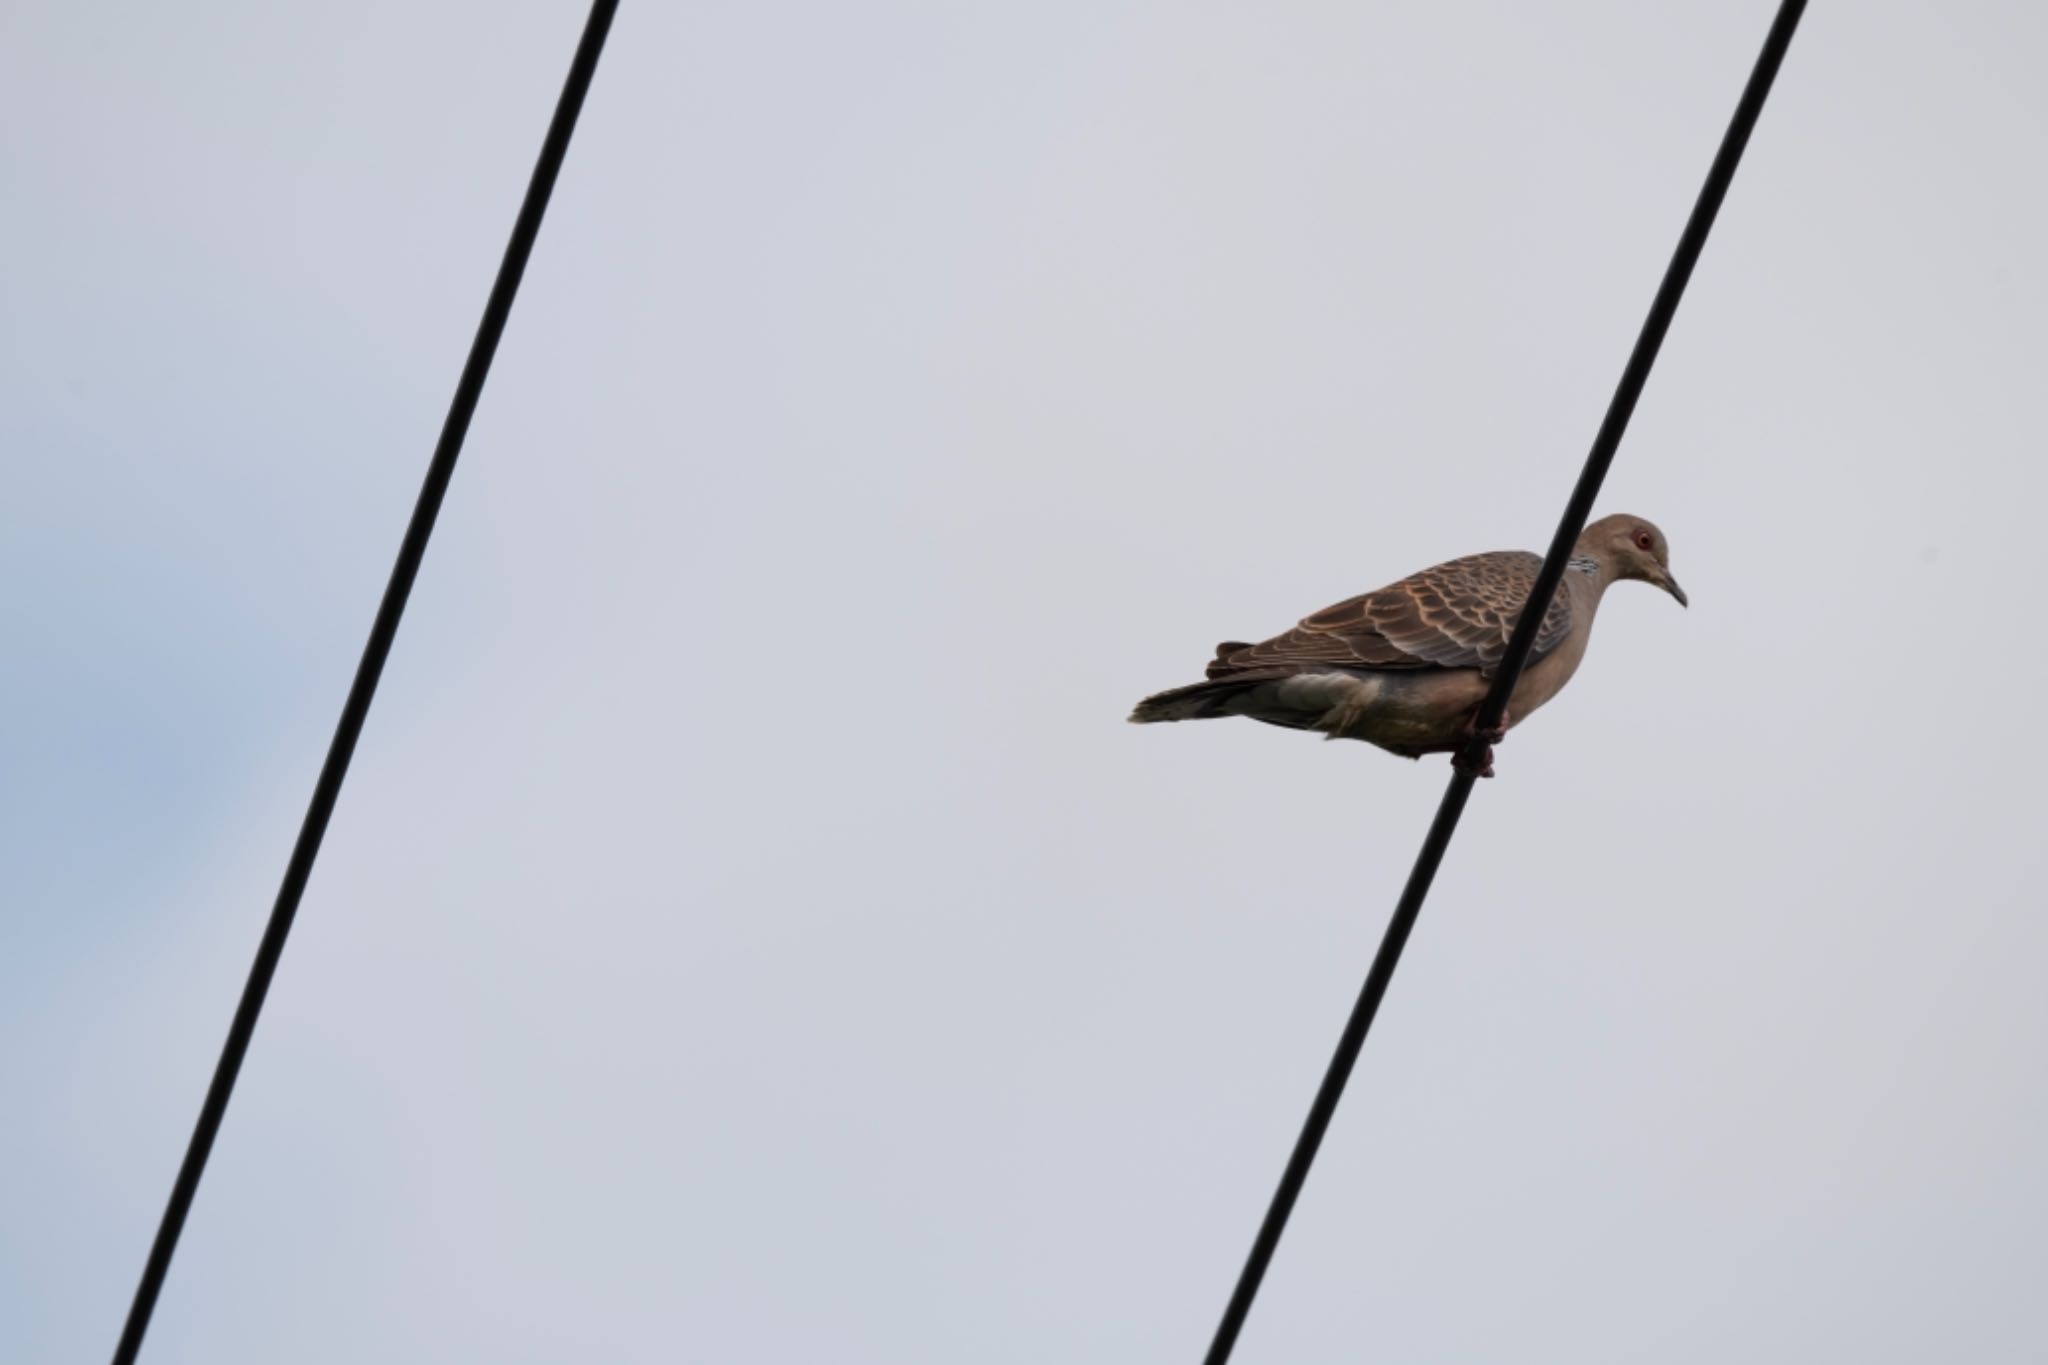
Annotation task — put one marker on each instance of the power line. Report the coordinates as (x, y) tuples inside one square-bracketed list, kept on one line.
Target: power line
[(383, 630), (1633, 376)]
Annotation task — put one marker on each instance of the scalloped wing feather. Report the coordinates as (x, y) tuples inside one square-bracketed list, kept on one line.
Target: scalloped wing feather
[(1459, 614)]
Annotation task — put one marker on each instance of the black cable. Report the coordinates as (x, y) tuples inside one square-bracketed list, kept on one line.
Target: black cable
[(1605, 442), (354, 711)]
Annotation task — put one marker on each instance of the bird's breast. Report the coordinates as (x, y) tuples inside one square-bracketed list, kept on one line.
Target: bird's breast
[(1546, 677)]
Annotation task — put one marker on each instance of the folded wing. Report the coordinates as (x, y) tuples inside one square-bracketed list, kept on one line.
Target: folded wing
[(1459, 614)]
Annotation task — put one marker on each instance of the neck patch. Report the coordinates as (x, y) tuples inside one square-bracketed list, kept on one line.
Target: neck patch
[(1585, 564)]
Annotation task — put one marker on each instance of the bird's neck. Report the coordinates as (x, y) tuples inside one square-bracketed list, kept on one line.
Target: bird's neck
[(1586, 576), (1589, 568)]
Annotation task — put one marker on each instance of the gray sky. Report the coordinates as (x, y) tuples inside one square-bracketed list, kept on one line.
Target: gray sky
[(751, 932)]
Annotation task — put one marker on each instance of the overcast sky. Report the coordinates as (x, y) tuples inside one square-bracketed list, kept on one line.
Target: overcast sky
[(751, 932)]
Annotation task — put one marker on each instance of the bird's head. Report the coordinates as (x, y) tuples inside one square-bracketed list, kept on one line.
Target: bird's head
[(1631, 547)]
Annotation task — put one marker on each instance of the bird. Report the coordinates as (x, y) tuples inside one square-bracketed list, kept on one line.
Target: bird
[(1406, 667)]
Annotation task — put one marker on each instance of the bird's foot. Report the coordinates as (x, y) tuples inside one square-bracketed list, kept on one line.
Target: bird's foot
[(1490, 736), (1483, 768)]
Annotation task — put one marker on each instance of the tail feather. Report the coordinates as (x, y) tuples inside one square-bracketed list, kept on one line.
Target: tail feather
[(1198, 701)]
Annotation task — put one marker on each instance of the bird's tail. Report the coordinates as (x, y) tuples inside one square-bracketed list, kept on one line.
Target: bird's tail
[(1197, 701)]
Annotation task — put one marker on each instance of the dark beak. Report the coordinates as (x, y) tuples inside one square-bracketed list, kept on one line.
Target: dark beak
[(1671, 586)]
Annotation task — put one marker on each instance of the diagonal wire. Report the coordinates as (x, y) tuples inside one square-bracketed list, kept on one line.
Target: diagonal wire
[(1605, 443), (356, 709)]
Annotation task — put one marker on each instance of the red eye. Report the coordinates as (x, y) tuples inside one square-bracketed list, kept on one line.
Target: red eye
[(1644, 540)]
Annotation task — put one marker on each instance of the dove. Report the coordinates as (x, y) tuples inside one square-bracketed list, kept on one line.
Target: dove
[(1406, 667)]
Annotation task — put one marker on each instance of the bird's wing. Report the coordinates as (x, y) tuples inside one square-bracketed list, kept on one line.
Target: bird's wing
[(1456, 615)]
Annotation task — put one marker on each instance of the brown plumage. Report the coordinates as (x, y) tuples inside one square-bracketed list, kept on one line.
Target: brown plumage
[(1406, 667)]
